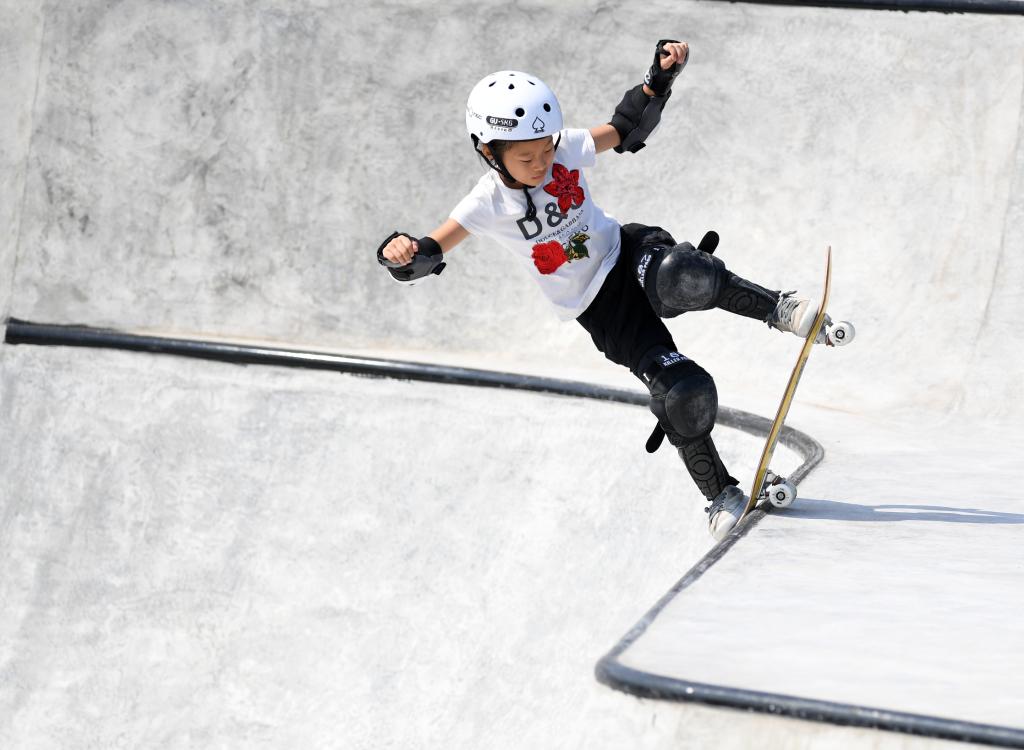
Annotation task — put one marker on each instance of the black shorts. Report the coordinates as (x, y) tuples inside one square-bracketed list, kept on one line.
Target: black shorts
[(620, 320)]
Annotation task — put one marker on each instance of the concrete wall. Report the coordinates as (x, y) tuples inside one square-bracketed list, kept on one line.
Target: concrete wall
[(228, 169), (21, 27)]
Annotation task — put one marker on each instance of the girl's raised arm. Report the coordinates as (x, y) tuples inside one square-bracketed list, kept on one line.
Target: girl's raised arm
[(605, 137), (639, 112)]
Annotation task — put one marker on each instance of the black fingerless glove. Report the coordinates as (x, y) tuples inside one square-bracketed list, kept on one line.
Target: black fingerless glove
[(427, 260), (659, 79), (638, 115)]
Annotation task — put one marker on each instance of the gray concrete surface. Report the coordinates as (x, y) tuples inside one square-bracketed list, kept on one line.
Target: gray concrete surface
[(21, 27), (227, 169), (207, 555), (893, 582)]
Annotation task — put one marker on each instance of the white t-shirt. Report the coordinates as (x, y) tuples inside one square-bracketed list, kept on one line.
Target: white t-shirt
[(572, 244)]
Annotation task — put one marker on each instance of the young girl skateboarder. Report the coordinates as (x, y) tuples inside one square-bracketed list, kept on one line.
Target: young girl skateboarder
[(617, 281)]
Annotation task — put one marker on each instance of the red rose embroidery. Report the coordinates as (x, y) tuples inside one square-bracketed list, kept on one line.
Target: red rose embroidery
[(548, 256), (566, 187)]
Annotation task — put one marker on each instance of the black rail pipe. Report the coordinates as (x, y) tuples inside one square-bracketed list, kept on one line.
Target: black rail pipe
[(613, 673), (644, 685), (24, 332), (1000, 7)]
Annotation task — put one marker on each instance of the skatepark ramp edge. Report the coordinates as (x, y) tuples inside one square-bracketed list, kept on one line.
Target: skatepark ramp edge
[(24, 332), (611, 672)]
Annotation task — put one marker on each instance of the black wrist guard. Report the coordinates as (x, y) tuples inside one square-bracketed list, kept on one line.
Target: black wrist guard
[(427, 260), (659, 79), (636, 117)]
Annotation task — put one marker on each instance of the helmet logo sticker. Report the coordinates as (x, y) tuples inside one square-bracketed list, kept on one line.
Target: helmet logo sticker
[(538, 125), (502, 122)]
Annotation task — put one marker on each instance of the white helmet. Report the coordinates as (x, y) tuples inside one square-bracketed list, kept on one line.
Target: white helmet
[(512, 106)]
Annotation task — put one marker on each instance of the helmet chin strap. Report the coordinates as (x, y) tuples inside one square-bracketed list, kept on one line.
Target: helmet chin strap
[(498, 166)]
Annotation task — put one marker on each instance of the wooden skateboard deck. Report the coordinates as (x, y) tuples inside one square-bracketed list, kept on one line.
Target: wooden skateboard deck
[(787, 396)]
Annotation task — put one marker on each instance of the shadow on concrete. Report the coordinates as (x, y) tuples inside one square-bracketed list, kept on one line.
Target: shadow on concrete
[(835, 510)]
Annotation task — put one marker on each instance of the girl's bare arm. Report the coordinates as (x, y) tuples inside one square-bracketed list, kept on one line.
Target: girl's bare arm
[(449, 234), (605, 137)]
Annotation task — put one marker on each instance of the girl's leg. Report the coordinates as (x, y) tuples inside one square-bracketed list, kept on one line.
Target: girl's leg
[(685, 401), (678, 278), (748, 299), (683, 397)]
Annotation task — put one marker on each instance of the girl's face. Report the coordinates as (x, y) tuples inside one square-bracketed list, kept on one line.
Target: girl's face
[(529, 161)]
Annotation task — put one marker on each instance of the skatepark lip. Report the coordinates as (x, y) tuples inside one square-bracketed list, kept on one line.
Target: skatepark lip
[(646, 685), (24, 332)]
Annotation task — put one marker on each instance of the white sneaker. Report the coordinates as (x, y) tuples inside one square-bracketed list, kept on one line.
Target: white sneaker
[(725, 511), (797, 315)]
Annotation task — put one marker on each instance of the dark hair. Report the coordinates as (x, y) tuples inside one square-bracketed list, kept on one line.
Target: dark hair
[(498, 148)]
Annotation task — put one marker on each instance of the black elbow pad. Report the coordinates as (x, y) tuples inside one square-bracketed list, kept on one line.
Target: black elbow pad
[(636, 117)]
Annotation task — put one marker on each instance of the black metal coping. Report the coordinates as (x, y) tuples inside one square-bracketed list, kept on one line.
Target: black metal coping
[(1002, 7), (608, 671), (23, 332)]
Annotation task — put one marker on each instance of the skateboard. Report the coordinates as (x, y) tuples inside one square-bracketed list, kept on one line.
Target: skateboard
[(767, 485)]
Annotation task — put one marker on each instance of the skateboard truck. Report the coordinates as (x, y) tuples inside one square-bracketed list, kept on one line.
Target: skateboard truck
[(840, 334), (777, 490)]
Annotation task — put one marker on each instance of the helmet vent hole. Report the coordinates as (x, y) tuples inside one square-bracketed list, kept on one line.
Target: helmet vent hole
[(511, 86), (547, 107), (520, 112), (531, 83), (491, 84)]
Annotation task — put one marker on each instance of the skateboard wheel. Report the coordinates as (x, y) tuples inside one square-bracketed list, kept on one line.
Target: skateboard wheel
[(781, 495), (842, 333)]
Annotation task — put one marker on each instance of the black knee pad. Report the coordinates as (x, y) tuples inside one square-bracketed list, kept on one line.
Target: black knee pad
[(680, 278), (683, 396)]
